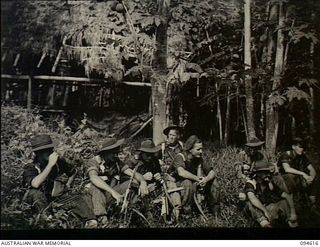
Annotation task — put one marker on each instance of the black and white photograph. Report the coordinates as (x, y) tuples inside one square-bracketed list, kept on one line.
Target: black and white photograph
[(165, 115)]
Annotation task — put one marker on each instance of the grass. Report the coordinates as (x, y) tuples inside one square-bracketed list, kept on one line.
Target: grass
[(18, 126)]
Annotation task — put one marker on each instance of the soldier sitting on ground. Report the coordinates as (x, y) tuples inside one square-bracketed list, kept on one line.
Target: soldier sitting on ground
[(253, 153), (298, 172), (45, 181), (108, 178), (192, 174), (267, 202), (150, 167), (171, 147)]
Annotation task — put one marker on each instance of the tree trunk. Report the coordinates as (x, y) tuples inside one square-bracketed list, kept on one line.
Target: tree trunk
[(247, 66), (312, 129), (271, 41), (262, 113), (272, 116), (66, 95), (51, 94), (226, 130), (159, 78), (219, 118)]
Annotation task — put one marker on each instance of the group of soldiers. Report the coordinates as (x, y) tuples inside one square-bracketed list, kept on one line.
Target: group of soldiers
[(274, 191), (116, 179)]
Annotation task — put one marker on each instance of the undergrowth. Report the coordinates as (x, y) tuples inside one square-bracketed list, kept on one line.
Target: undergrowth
[(18, 126)]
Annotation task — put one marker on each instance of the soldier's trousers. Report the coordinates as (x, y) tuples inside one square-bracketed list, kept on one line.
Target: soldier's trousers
[(101, 200), (296, 183), (277, 210), (78, 204), (211, 192), (175, 196)]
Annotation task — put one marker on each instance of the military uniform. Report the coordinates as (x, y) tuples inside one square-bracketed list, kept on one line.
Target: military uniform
[(294, 182), (113, 175), (211, 190), (53, 189), (269, 194)]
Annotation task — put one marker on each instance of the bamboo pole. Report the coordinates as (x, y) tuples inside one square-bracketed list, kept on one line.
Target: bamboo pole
[(140, 129), (59, 55), (29, 99), (100, 97), (41, 59), (69, 78), (16, 60), (4, 56), (57, 60)]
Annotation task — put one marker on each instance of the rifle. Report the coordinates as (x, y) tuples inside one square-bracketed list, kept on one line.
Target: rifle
[(168, 198), (198, 195), (126, 195)]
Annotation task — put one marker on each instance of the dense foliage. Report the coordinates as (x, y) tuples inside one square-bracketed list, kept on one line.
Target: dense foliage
[(18, 126)]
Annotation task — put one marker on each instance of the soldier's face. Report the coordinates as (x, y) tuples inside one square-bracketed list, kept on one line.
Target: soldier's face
[(264, 175), (125, 152), (298, 149), (146, 156), (110, 156), (196, 151), (42, 156), (173, 136)]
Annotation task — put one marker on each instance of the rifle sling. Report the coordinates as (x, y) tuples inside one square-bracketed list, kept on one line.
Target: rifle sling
[(199, 206)]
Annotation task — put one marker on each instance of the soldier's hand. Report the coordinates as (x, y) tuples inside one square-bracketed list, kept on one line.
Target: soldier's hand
[(53, 158), (157, 176), (148, 176), (203, 181), (308, 179), (161, 162), (293, 217), (268, 215), (143, 189), (117, 197)]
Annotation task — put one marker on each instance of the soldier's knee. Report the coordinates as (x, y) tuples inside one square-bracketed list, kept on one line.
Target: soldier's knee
[(187, 183), (37, 199), (35, 194)]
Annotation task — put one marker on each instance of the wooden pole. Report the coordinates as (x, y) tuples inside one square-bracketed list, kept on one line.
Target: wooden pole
[(41, 59), (70, 78), (16, 60), (29, 100), (140, 129)]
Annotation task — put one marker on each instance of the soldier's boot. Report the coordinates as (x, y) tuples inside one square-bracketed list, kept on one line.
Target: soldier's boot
[(91, 224), (265, 224)]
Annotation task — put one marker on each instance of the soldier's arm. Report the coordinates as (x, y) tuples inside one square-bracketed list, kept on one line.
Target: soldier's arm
[(289, 199), (139, 177), (211, 175), (71, 178), (38, 180), (98, 182), (257, 203), (186, 174), (288, 169), (312, 171)]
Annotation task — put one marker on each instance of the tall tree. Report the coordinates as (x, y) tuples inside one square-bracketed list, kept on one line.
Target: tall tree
[(247, 66), (159, 77), (272, 115)]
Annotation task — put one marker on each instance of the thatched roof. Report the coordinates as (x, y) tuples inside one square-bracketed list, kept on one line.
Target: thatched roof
[(103, 37)]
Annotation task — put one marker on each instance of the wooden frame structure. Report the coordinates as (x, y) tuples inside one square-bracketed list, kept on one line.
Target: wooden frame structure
[(83, 81)]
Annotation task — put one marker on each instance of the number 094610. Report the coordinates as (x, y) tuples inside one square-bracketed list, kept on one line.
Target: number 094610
[(309, 243)]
